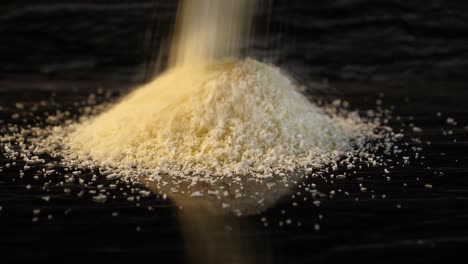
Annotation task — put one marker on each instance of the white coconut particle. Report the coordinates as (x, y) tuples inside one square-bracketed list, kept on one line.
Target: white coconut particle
[(101, 198)]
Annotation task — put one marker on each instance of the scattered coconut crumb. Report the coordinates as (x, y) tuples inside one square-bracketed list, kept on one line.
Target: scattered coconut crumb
[(101, 198), (316, 227), (451, 121)]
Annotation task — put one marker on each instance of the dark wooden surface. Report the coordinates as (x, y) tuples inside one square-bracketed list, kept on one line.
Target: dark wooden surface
[(414, 52), (429, 227), (340, 39)]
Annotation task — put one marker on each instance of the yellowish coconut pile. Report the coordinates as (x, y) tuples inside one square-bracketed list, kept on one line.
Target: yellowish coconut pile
[(208, 116), (232, 118)]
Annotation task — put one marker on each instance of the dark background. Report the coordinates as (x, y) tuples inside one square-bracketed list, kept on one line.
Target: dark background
[(412, 55), (340, 39)]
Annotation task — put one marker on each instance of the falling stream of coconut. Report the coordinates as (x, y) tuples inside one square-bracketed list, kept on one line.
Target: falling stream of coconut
[(215, 132)]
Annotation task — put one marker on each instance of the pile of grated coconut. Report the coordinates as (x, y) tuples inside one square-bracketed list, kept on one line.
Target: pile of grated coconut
[(207, 116), (231, 118)]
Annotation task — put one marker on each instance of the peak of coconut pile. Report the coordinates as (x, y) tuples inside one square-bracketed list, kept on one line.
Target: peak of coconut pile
[(235, 118)]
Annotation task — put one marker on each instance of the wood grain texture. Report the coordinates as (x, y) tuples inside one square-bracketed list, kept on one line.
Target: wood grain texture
[(350, 40), (430, 226), (414, 52)]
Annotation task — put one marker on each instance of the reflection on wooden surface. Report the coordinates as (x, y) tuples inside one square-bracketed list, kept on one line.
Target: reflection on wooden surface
[(210, 216)]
